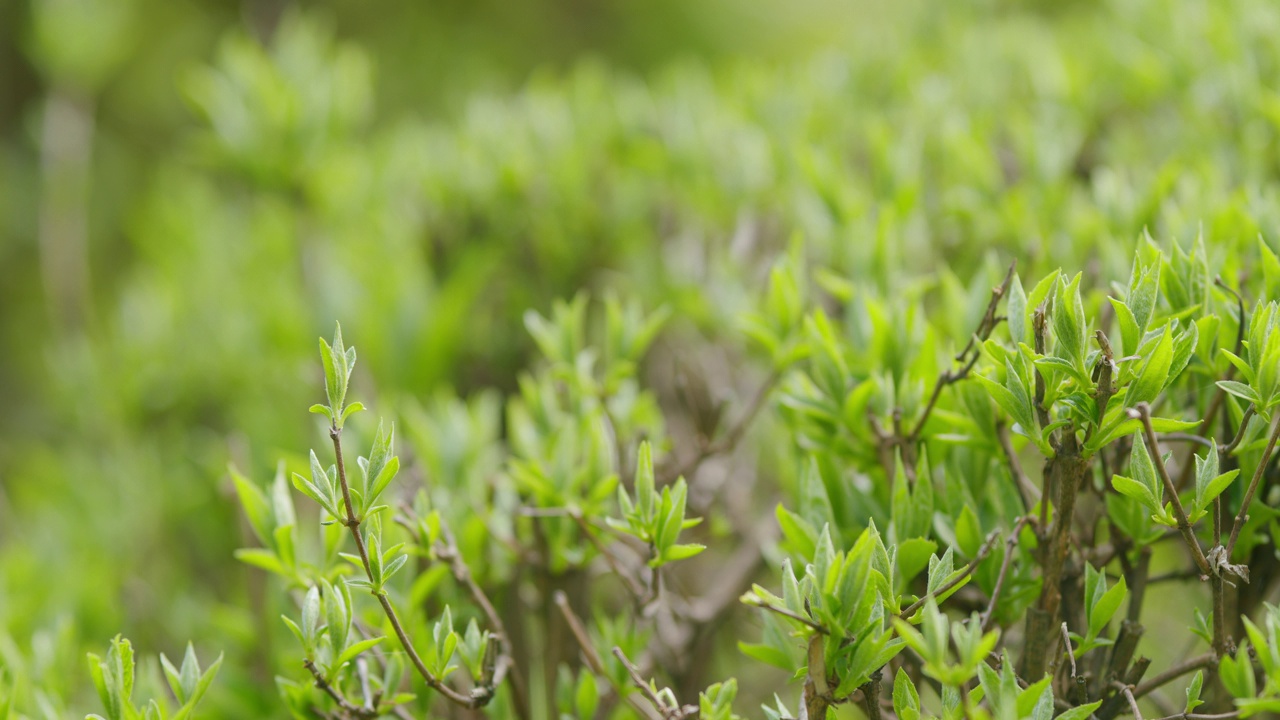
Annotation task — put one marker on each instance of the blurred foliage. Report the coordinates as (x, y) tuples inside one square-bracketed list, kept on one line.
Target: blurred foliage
[(193, 191)]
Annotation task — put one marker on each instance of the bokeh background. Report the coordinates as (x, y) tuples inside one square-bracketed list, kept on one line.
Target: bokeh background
[(191, 191)]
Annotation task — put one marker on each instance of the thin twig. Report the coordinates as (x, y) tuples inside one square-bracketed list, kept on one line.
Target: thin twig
[(506, 662), (592, 658), (966, 358), (1244, 425), (813, 624), (342, 702), (1243, 515), (1011, 544), (1188, 438), (1071, 653), (983, 552), (1198, 662), (1026, 489), (668, 711), (1127, 691), (353, 524), (1143, 412), (730, 439)]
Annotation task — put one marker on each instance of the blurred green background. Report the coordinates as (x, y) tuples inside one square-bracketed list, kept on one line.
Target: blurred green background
[(194, 190)]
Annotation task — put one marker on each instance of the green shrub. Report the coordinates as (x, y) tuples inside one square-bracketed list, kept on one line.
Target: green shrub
[(917, 158), (979, 561)]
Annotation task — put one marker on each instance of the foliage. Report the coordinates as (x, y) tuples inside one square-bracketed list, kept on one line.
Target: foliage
[(643, 344)]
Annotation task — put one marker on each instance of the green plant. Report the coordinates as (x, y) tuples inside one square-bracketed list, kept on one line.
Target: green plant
[(974, 552), (114, 679), (158, 314)]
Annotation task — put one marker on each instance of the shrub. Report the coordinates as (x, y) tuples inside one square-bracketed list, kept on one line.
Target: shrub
[(975, 525)]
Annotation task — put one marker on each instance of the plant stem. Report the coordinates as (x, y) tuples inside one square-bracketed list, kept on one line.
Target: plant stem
[(506, 661), (1133, 701), (1243, 515), (592, 658), (1065, 470), (1143, 412), (983, 552), (353, 524), (813, 624), (727, 441), (871, 696), (966, 358), (1011, 544), (1198, 662), (342, 702)]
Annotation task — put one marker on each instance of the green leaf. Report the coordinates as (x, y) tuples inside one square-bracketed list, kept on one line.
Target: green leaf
[(1082, 712), (1155, 371), (1069, 322), (355, 649), (1106, 608), (1193, 692), (680, 552), (906, 701), (1017, 312), (1240, 390), (1242, 365), (1133, 489), (256, 507), (1130, 332), (587, 695), (1209, 484), (1237, 673)]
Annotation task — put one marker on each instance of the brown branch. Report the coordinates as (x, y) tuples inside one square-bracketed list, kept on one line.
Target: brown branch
[(592, 658), (1198, 662), (1011, 544), (1065, 471), (1026, 489), (763, 605), (353, 524), (730, 439), (966, 358), (668, 711), (352, 711), (968, 569), (1243, 515), (1143, 412), (1127, 691), (506, 663), (871, 696)]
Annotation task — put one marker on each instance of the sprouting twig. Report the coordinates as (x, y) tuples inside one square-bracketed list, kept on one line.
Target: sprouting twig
[(983, 552), (352, 711), (592, 658), (1011, 544), (966, 358), (506, 664), (1143, 412), (813, 624), (730, 439), (668, 710), (1243, 515), (353, 524), (1198, 662), (1071, 653)]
